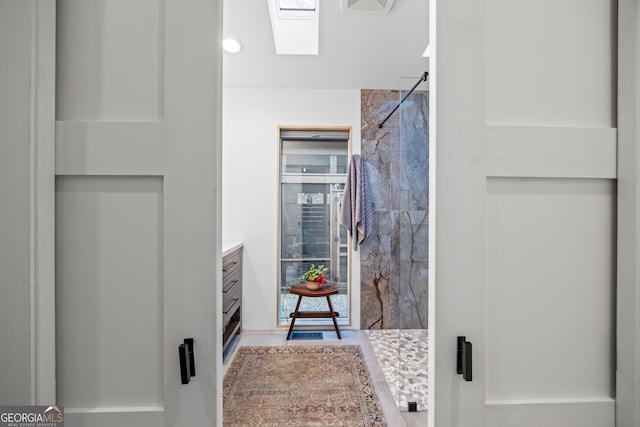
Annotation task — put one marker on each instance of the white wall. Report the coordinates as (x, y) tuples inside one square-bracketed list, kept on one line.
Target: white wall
[(250, 181)]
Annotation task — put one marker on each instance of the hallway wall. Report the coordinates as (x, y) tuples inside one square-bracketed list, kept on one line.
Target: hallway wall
[(250, 182)]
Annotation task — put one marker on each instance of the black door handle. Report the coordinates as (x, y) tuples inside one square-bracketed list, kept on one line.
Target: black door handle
[(464, 365), (187, 360)]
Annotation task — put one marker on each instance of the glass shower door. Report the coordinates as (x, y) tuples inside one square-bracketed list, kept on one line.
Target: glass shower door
[(413, 245)]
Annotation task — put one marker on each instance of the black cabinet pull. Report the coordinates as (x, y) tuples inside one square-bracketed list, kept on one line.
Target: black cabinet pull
[(187, 360), (227, 267), (464, 365), (233, 304), (230, 286)]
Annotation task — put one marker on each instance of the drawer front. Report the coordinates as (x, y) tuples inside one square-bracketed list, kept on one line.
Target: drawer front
[(229, 312), (231, 284), (232, 262), (230, 279), (231, 287), (231, 301)]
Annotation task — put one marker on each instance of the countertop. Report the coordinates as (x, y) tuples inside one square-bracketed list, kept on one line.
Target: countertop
[(228, 247)]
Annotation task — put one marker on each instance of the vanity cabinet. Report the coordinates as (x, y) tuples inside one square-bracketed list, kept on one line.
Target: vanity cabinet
[(231, 293)]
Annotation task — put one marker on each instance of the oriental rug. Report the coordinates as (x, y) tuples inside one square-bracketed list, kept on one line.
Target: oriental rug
[(300, 386)]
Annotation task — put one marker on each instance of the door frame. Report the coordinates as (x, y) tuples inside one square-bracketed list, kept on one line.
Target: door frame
[(42, 196), (628, 222), (42, 256), (353, 288)]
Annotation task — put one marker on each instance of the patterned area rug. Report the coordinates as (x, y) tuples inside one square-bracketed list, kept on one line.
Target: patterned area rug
[(300, 386)]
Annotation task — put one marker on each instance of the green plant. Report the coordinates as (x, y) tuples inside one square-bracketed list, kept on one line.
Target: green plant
[(316, 273)]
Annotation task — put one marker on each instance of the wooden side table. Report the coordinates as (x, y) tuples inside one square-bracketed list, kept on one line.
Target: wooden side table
[(302, 291)]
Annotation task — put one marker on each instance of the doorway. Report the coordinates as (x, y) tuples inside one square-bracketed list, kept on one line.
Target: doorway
[(313, 170)]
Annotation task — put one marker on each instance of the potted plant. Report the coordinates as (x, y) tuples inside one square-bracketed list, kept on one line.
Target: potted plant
[(316, 276)]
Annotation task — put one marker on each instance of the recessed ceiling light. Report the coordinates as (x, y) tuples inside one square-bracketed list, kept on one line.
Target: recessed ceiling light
[(231, 45)]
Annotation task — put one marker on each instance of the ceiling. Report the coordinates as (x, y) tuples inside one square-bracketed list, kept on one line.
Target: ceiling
[(357, 50)]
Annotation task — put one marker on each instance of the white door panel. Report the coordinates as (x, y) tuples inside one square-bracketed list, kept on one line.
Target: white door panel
[(117, 48), (109, 293), (550, 245), (525, 194), (546, 62), (137, 224)]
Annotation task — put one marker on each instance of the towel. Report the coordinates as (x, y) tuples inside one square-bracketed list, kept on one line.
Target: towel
[(356, 213)]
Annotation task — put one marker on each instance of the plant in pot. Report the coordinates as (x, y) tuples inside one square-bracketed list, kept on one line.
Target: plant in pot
[(316, 276)]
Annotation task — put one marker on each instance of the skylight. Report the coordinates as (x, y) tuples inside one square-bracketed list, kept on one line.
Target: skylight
[(297, 4), (295, 25), (367, 6)]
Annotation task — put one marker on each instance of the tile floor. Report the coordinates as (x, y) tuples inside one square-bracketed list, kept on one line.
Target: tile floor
[(402, 356), (394, 416)]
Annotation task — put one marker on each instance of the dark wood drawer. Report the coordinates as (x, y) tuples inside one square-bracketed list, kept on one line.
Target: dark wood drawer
[(232, 262), (231, 287), (231, 295), (231, 301), (228, 280)]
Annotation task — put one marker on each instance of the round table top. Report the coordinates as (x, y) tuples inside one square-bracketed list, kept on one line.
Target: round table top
[(301, 289)]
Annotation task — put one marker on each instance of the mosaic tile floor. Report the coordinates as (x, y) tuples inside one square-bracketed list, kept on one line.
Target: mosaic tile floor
[(402, 355)]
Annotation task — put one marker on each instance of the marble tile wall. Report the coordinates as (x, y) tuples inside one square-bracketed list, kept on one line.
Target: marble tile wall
[(394, 266)]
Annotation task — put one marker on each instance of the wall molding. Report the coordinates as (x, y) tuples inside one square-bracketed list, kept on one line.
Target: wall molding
[(107, 147), (588, 412), (576, 152)]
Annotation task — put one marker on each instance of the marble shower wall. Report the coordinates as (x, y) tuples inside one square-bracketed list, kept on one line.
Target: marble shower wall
[(393, 260)]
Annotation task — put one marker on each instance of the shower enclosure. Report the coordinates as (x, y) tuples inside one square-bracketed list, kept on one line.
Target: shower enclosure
[(394, 259)]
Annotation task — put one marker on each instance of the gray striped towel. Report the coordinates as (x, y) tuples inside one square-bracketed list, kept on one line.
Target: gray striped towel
[(356, 214)]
